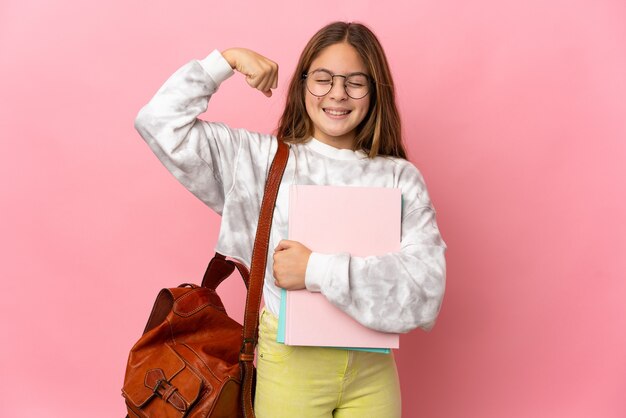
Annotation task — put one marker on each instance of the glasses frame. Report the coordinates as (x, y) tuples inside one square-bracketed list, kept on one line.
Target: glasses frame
[(370, 82)]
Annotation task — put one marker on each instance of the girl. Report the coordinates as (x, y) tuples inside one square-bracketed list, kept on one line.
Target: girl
[(343, 129)]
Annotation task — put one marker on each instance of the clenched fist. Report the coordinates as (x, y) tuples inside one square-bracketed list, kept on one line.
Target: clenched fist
[(290, 261), (261, 73)]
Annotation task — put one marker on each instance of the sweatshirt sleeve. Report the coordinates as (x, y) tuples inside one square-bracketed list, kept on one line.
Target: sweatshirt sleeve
[(395, 292), (201, 155)]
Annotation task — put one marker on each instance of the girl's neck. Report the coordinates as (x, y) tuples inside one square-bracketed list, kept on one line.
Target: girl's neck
[(344, 142)]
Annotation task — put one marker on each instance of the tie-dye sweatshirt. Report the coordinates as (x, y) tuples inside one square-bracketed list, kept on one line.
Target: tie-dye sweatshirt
[(226, 168)]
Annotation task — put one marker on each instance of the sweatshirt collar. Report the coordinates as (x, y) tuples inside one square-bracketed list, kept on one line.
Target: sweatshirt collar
[(332, 152)]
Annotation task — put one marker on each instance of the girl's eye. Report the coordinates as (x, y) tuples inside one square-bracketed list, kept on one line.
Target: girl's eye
[(357, 81), (323, 80)]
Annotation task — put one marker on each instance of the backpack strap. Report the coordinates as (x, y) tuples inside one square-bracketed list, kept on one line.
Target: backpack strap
[(257, 273), (219, 269)]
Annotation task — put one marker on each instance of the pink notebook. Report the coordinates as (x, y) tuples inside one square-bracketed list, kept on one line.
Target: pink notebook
[(330, 219)]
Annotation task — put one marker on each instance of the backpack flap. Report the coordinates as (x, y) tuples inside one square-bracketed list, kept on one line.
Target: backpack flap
[(163, 385)]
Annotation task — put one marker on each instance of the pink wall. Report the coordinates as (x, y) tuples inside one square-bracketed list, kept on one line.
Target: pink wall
[(514, 112)]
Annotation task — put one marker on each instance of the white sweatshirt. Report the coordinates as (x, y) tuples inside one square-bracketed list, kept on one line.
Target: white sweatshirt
[(226, 168)]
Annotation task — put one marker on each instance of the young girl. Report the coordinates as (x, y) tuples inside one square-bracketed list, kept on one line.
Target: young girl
[(342, 126)]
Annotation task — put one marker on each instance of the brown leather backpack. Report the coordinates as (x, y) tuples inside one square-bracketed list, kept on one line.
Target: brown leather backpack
[(193, 360)]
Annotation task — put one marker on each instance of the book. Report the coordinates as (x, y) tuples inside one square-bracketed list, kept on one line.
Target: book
[(363, 221)]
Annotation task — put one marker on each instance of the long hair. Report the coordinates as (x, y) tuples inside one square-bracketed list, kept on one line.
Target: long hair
[(380, 131)]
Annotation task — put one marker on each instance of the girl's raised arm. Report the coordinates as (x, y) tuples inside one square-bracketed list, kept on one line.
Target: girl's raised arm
[(203, 155)]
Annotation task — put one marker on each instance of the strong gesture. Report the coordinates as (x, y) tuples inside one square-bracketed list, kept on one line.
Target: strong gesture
[(261, 73)]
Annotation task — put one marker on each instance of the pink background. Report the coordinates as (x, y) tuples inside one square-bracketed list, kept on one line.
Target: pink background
[(514, 112)]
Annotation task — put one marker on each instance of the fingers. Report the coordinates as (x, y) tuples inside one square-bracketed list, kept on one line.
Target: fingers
[(282, 244), (275, 266), (275, 273), (270, 73), (265, 84), (261, 83)]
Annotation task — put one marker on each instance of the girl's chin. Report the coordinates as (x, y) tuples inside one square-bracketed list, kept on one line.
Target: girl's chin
[(338, 127), (335, 134)]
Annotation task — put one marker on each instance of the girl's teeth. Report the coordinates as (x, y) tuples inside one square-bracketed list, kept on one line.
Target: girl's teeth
[(336, 113)]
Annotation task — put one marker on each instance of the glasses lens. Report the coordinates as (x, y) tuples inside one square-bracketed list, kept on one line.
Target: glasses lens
[(319, 82), (357, 86)]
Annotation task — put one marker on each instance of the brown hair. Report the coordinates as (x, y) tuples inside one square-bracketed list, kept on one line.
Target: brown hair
[(380, 132)]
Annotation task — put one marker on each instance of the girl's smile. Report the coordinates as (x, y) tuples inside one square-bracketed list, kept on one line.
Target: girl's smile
[(336, 113)]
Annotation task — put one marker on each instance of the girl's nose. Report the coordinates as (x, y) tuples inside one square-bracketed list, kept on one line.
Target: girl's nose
[(338, 91)]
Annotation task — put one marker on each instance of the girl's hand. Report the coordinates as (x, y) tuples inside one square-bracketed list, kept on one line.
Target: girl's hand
[(290, 260), (261, 73)]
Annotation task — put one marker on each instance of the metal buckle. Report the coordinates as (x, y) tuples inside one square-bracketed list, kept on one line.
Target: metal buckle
[(243, 344), (157, 386)]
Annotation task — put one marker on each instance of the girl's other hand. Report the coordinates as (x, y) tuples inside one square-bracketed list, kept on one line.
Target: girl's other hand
[(261, 73), (290, 261)]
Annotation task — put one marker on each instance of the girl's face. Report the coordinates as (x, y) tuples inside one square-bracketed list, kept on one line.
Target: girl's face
[(338, 130)]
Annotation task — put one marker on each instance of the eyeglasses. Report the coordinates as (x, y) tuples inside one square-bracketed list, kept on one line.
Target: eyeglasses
[(320, 82)]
